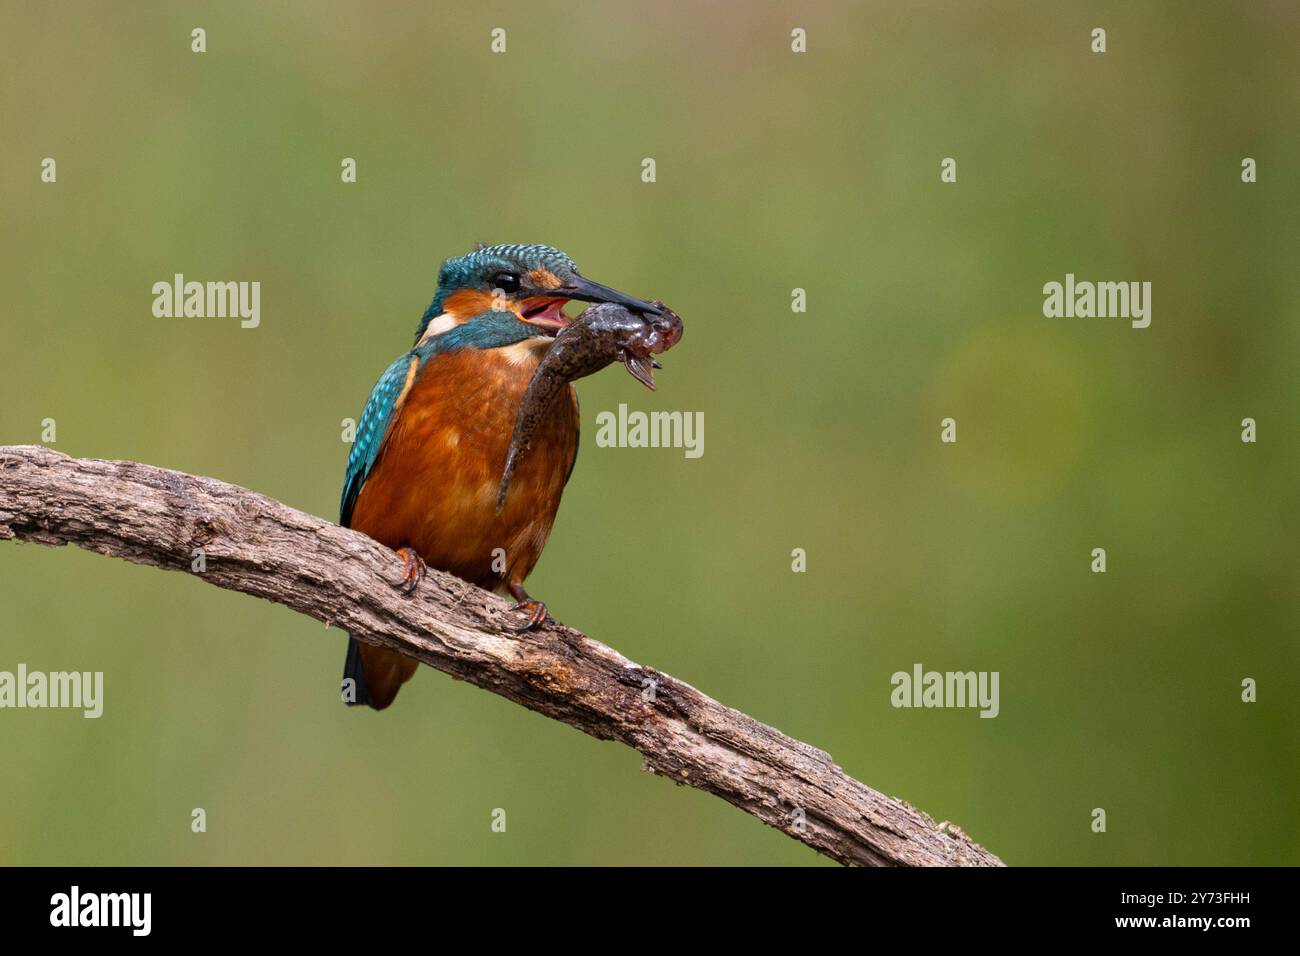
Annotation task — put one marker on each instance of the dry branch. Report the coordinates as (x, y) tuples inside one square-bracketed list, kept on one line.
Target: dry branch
[(259, 546)]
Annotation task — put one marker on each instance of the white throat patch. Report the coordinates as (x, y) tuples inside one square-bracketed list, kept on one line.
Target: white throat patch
[(442, 323)]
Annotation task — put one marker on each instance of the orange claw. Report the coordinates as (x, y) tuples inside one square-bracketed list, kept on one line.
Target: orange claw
[(413, 570), (537, 614)]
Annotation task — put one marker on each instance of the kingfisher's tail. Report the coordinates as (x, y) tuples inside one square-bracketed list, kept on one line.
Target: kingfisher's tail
[(357, 692), (373, 675)]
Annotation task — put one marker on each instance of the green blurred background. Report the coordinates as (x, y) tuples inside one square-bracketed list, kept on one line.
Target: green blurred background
[(775, 171)]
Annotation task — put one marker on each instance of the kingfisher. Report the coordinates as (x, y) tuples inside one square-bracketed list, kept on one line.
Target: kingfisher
[(423, 472)]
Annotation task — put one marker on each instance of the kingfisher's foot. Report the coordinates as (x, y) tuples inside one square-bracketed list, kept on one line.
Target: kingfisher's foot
[(413, 571), (536, 610), (537, 614)]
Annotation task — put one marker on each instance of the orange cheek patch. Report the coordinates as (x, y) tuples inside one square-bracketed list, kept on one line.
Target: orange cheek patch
[(467, 303), (544, 279)]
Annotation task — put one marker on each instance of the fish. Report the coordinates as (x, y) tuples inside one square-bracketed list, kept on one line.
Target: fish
[(602, 335)]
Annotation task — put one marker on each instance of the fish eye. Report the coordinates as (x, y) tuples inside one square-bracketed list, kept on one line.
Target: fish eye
[(506, 281)]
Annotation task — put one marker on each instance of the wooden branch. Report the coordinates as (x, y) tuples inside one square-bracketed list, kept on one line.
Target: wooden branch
[(259, 546)]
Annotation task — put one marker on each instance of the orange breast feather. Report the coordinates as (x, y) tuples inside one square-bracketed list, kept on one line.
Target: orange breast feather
[(434, 485)]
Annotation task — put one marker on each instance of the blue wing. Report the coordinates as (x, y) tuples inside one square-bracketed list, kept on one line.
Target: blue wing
[(375, 421)]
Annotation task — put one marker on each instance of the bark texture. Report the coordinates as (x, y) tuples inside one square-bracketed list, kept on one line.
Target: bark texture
[(259, 546)]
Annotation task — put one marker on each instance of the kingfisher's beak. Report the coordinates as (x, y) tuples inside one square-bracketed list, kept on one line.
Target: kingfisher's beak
[(588, 291)]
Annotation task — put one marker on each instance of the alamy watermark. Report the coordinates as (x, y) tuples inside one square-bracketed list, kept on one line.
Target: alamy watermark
[(640, 429), (208, 300), (75, 908), (1102, 300), (78, 690), (922, 688)]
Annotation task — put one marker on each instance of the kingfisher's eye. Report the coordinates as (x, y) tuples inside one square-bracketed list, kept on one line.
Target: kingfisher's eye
[(506, 282)]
